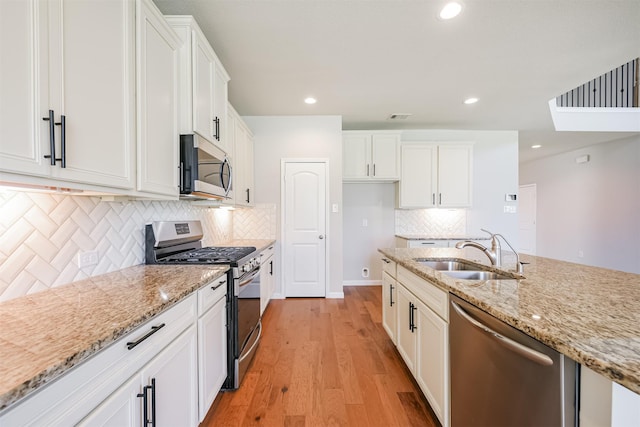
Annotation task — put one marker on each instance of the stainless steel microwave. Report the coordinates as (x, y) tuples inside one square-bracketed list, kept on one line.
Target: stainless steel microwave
[(205, 171)]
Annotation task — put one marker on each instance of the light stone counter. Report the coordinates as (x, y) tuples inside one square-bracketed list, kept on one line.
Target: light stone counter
[(45, 334), (259, 244), (590, 314)]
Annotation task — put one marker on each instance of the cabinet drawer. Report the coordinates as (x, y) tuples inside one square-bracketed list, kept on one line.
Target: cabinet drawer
[(435, 298), (389, 267), (428, 243), (267, 253), (209, 294), (83, 387)]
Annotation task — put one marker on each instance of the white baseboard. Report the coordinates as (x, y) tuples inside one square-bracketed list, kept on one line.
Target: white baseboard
[(362, 283), (335, 295)]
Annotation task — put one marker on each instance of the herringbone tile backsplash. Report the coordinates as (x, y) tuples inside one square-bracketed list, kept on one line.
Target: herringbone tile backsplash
[(42, 234), (431, 222)]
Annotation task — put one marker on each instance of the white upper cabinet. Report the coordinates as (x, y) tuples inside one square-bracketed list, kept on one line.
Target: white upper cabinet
[(72, 61), (158, 135), (436, 175), (203, 85), (243, 177), (370, 156)]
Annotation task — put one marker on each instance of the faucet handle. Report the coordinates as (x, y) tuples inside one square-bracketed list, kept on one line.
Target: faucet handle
[(488, 232)]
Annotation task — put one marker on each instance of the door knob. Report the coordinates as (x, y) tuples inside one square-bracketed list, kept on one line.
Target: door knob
[(321, 237)]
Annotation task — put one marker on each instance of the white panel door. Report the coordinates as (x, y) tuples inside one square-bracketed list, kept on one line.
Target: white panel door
[(305, 229), (527, 219)]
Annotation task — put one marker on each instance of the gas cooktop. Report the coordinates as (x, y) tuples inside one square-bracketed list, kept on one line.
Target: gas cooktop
[(209, 255)]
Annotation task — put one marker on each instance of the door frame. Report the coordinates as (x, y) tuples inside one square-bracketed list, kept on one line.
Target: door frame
[(327, 220)]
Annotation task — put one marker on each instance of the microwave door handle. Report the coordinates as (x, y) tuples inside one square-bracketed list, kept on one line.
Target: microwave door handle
[(230, 179), (225, 166)]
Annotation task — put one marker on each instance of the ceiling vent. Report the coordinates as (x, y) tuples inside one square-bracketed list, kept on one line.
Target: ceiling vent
[(399, 116)]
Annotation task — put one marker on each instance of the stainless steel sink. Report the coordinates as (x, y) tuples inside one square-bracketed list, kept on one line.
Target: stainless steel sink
[(477, 275), (445, 265)]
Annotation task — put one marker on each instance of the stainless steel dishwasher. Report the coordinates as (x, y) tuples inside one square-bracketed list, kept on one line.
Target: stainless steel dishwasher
[(503, 377)]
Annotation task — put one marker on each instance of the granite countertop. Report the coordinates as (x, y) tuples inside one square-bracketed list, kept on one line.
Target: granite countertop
[(441, 237), (47, 333), (590, 314)]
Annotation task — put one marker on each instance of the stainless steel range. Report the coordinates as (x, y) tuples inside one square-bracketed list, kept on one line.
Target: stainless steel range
[(179, 242)]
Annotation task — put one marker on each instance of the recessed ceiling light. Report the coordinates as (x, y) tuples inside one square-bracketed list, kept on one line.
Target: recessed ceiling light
[(470, 101), (310, 100), (536, 146), (450, 10)]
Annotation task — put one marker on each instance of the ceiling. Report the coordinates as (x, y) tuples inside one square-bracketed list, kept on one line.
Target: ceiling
[(367, 59)]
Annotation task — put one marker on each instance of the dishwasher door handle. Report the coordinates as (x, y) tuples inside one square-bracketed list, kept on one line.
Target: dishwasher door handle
[(516, 347)]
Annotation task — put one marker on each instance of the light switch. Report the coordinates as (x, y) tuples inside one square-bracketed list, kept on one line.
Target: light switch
[(365, 222), (334, 208)]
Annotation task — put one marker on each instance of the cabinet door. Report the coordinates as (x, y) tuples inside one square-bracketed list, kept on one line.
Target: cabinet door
[(220, 83), (454, 175), (389, 306), (203, 72), (122, 409), (406, 341), (176, 382), (432, 359), (356, 156), (157, 103), (212, 352), (243, 186), (92, 83), (23, 87), (418, 180), (385, 157)]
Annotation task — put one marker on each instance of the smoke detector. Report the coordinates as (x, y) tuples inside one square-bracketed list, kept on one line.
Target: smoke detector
[(399, 116)]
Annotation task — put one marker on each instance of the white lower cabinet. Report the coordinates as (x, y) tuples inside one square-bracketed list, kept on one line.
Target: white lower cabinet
[(170, 379), (389, 305), (212, 343), (422, 341), (432, 360), (267, 278)]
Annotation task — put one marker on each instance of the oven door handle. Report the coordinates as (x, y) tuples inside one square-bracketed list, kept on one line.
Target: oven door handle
[(255, 343), (245, 280)]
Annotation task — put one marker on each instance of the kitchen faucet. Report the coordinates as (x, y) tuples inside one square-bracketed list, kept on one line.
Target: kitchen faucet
[(495, 253)]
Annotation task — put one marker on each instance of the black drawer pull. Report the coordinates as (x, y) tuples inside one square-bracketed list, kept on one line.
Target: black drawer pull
[(213, 288), (153, 330)]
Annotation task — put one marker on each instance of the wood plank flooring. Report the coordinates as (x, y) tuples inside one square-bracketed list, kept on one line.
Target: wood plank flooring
[(325, 362)]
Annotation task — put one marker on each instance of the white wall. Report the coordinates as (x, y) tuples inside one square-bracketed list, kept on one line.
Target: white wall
[(495, 173), (278, 137), (375, 203), (591, 207)]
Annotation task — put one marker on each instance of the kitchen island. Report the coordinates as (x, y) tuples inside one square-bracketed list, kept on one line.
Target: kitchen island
[(590, 314)]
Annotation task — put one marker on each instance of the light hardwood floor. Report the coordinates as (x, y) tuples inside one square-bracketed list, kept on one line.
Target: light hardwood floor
[(324, 362)]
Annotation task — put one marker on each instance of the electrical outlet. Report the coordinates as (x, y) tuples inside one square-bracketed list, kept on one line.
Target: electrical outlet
[(365, 222), (580, 254), (365, 272), (87, 259)]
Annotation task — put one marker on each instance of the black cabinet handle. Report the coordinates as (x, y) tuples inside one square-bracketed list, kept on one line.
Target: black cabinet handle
[(433, 198), (411, 316), (413, 319), (271, 267), (374, 169), (145, 405), (153, 330), (213, 288), (52, 138), (63, 141), (248, 195), (367, 169), (216, 123), (390, 295), (440, 201)]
